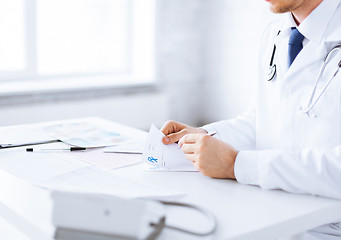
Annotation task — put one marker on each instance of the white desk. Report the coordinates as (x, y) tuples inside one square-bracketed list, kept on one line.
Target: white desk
[(243, 212)]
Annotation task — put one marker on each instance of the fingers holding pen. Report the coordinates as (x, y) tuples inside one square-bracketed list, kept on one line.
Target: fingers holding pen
[(188, 148), (211, 156), (194, 146), (191, 139)]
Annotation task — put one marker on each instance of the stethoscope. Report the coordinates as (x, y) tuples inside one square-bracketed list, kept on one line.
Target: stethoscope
[(272, 72), (272, 67)]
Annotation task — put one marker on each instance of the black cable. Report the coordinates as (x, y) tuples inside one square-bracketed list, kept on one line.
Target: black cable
[(206, 212), (158, 228)]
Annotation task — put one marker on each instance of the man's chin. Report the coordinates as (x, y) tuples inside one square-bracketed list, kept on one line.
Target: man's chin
[(278, 9), (279, 6)]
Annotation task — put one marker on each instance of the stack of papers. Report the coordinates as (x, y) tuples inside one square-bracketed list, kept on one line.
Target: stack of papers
[(78, 171), (85, 134), (23, 135)]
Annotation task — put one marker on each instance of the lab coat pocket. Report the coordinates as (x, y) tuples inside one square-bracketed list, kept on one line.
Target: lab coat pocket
[(325, 114)]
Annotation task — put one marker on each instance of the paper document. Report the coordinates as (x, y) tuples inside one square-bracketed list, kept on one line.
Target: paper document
[(23, 135), (94, 180), (106, 160), (161, 157), (135, 147), (38, 167), (85, 134), (63, 172)]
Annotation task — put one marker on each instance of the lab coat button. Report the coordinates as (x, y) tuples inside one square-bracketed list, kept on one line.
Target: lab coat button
[(300, 109)]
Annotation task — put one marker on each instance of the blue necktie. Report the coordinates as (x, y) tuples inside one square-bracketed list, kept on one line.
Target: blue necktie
[(295, 44)]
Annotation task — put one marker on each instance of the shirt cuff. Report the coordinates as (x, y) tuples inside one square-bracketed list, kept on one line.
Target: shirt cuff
[(246, 167)]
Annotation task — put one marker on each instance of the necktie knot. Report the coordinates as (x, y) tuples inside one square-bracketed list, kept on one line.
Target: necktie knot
[(296, 38), (295, 44)]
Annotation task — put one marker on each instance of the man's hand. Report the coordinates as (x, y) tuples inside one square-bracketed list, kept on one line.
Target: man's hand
[(174, 131), (212, 157)]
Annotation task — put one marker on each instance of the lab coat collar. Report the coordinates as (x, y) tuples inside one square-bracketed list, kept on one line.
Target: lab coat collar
[(315, 25), (315, 29), (289, 21), (333, 32)]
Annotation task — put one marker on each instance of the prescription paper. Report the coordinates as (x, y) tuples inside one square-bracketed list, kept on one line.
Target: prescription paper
[(160, 157)]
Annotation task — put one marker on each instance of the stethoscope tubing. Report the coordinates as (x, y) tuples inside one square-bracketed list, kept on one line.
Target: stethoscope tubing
[(311, 102)]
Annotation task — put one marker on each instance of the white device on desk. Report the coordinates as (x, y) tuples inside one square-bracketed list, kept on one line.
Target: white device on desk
[(49, 214), (88, 216), (78, 216)]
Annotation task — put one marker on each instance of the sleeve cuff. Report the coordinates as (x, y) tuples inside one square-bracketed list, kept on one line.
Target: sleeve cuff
[(208, 128), (246, 168)]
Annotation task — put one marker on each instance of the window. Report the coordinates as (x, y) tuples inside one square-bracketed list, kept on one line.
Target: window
[(81, 36), (12, 41), (49, 44)]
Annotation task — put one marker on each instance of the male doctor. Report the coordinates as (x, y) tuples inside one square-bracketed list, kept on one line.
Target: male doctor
[(291, 138)]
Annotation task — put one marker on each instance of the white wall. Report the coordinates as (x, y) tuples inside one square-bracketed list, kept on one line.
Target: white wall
[(231, 49), (180, 60), (208, 56), (206, 63)]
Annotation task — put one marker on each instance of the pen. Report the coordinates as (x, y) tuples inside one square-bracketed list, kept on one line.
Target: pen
[(211, 133), (124, 152), (208, 134), (71, 149)]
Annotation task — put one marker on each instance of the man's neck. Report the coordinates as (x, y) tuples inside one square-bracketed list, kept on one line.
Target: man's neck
[(303, 11)]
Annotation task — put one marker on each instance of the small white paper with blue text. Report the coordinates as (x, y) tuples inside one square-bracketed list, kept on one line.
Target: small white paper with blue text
[(161, 157)]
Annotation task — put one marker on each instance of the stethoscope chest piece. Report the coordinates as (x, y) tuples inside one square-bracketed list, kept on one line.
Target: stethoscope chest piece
[(271, 72), (272, 67)]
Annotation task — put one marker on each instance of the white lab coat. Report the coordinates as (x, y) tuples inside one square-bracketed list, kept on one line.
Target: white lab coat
[(279, 146)]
